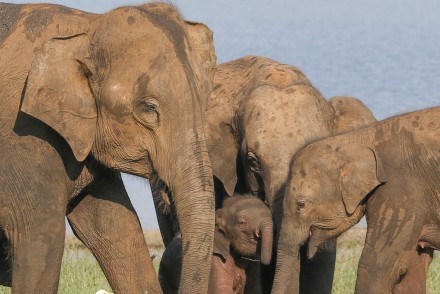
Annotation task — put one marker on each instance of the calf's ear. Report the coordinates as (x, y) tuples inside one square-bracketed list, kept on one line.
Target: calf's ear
[(221, 241), (361, 172), (58, 92)]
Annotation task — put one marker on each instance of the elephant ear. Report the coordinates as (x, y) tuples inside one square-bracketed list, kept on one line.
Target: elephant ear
[(221, 241), (222, 145), (58, 92), (350, 113), (361, 172), (202, 43)]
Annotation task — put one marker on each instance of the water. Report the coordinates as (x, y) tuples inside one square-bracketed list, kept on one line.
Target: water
[(387, 53)]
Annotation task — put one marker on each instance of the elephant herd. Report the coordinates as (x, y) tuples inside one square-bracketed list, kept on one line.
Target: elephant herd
[(247, 161)]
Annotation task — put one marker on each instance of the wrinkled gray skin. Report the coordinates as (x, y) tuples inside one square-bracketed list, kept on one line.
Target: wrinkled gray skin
[(390, 171), (87, 96), (243, 224)]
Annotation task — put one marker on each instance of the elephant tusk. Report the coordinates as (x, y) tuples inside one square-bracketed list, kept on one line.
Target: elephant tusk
[(258, 234)]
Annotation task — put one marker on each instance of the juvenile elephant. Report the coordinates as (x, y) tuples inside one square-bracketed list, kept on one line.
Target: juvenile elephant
[(389, 171), (243, 224), (84, 97)]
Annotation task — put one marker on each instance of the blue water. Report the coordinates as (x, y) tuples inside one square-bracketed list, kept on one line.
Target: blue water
[(387, 53)]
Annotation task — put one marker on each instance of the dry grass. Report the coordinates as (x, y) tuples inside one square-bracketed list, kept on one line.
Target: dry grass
[(80, 273)]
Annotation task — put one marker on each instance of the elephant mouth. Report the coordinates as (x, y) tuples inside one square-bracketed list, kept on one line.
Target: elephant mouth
[(254, 240), (162, 193), (247, 247)]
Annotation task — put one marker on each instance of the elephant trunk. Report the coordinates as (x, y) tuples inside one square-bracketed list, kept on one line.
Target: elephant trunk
[(191, 185), (288, 258), (266, 229)]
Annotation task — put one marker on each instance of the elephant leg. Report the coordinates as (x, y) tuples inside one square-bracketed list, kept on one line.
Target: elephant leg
[(316, 274), (106, 222), (253, 278), (414, 280), (37, 240), (386, 256)]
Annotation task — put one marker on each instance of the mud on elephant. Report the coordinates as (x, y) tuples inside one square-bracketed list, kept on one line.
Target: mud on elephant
[(84, 97), (243, 226), (388, 171)]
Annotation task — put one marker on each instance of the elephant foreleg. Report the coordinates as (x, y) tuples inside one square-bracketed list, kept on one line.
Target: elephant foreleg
[(253, 278), (106, 222), (37, 240)]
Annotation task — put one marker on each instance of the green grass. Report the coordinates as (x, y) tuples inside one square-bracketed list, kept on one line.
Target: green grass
[(80, 273)]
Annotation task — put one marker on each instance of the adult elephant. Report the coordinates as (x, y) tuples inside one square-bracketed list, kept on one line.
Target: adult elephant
[(259, 115), (388, 171), (87, 96)]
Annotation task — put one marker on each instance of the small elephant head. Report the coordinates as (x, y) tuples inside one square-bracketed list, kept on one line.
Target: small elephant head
[(326, 194), (243, 224)]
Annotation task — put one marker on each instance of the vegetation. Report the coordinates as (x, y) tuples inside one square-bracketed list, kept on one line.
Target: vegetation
[(80, 273)]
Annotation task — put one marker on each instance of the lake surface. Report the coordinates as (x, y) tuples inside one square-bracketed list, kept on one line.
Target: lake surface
[(386, 53)]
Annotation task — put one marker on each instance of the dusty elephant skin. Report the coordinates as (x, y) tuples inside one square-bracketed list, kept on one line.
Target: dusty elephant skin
[(243, 225), (390, 171), (87, 96), (259, 115)]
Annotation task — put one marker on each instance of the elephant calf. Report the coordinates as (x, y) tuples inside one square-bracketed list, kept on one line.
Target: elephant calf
[(243, 224), (389, 171)]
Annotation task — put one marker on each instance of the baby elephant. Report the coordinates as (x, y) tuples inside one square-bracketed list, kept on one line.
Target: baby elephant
[(243, 224)]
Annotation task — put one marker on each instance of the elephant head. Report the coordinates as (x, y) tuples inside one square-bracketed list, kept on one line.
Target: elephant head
[(242, 223), (259, 115), (129, 90), (350, 114), (328, 187)]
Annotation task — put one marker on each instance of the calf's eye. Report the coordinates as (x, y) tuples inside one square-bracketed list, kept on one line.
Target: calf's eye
[(300, 205)]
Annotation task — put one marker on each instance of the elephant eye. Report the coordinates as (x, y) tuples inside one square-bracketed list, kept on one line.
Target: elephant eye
[(300, 205), (149, 107), (253, 162), (241, 222), (146, 111)]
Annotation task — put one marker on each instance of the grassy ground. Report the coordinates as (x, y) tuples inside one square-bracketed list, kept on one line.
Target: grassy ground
[(80, 274)]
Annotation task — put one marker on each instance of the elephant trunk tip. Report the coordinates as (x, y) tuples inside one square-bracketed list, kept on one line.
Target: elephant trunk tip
[(266, 233)]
